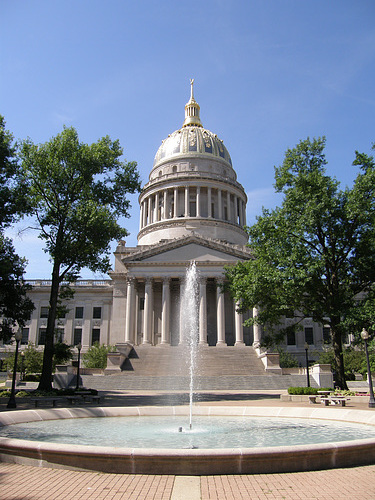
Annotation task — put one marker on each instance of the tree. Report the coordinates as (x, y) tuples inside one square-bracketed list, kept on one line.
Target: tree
[(15, 306), (315, 255), (77, 191)]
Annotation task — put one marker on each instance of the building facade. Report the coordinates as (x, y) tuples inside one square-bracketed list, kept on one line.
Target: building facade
[(191, 209)]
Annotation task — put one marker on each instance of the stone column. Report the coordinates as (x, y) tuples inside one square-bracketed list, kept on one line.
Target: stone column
[(187, 202), (156, 208), (141, 217), (182, 339), (220, 313), (165, 203), (144, 213), (209, 202), (238, 318), (235, 209), (129, 319), (244, 213), (202, 311), (147, 334), (257, 332), (229, 211), (198, 202), (175, 200), (219, 205), (165, 313), (149, 209)]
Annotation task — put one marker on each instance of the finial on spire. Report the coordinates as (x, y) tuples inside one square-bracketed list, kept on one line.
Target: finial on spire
[(192, 108), (191, 89)]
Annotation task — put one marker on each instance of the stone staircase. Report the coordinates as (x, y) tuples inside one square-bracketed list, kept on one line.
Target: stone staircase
[(217, 368), (159, 361)]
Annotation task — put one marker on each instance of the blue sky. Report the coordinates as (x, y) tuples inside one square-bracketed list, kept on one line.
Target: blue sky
[(268, 73)]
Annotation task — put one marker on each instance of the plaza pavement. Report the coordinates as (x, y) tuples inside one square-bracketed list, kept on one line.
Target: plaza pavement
[(22, 482)]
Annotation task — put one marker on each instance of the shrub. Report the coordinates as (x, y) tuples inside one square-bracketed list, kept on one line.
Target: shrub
[(96, 356), (286, 359), (307, 390)]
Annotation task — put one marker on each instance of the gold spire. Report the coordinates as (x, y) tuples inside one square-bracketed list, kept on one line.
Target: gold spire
[(192, 108)]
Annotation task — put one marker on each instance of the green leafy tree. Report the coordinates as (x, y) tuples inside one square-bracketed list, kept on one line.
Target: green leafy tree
[(15, 306), (315, 255), (77, 191)]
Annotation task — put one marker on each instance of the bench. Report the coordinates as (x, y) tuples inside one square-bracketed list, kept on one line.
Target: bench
[(36, 401), (335, 400), (312, 399)]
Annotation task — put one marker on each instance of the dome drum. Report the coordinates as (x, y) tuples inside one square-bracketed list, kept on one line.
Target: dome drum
[(192, 187)]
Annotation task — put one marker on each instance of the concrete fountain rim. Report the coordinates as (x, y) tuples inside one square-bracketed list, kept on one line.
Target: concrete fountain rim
[(189, 461)]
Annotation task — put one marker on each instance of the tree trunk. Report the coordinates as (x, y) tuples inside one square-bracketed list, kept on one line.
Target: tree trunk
[(45, 383), (339, 356)]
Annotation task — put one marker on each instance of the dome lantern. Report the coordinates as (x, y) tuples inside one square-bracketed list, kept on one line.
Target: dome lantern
[(192, 109)]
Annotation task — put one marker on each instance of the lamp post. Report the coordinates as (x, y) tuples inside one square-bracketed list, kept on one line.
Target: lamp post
[(365, 336), (22, 361), (12, 398), (79, 347), (307, 364)]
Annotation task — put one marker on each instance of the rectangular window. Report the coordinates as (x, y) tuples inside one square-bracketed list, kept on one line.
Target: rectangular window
[(42, 336), (25, 336), (141, 304), (291, 338), (95, 336), (44, 312), (309, 335), (326, 334), (97, 312), (79, 313), (77, 336)]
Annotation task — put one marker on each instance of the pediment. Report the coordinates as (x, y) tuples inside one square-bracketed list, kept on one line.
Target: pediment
[(187, 249)]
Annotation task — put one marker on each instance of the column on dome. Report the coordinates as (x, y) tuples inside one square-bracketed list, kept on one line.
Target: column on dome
[(219, 204), (198, 202), (257, 331), (165, 312), (244, 213), (220, 311), (202, 310), (149, 210), (165, 204), (156, 208), (175, 201), (187, 201), (148, 309), (209, 202), (141, 217), (235, 209), (238, 324), (145, 213), (129, 318), (229, 212)]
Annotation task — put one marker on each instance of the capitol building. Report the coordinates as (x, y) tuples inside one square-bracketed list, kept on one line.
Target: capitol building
[(192, 208)]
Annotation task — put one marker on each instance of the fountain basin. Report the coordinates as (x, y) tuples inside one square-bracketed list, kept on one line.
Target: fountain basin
[(189, 461)]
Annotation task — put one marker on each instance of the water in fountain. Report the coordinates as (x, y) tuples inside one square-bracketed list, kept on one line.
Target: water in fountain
[(189, 314)]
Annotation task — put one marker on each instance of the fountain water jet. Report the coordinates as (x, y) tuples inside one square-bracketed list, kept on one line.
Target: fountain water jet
[(189, 320)]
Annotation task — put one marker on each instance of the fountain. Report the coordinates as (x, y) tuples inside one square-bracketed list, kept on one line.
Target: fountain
[(247, 448), (189, 326)]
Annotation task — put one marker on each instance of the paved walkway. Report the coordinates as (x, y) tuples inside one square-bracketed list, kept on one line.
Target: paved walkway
[(22, 482)]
